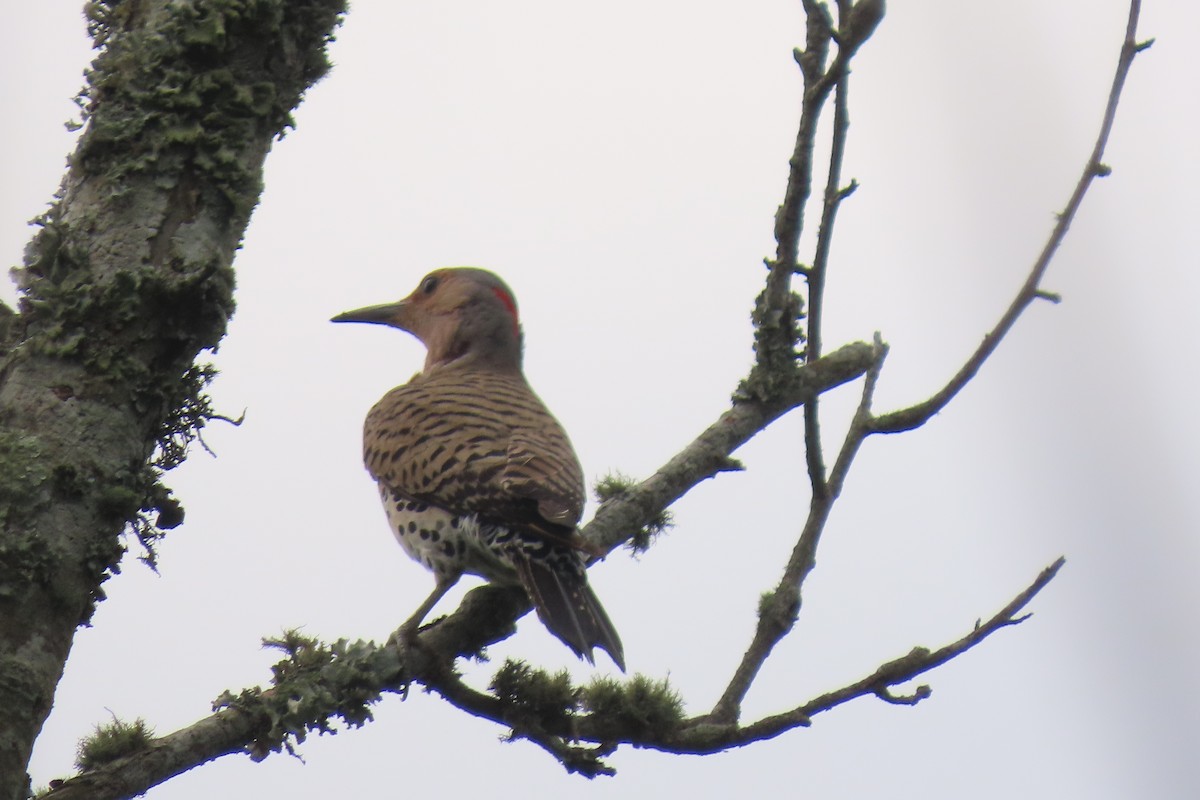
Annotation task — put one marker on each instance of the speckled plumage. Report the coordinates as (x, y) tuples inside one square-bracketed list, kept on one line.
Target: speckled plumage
[(475, 473), (475, 440)]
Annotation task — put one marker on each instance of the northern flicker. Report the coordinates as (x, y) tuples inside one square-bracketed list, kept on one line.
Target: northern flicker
[(475, 473)]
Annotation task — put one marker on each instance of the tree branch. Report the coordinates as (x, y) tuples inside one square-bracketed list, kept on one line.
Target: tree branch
[(815, 274), (128, 279), (232, 729), (704, 735), (917, 415)]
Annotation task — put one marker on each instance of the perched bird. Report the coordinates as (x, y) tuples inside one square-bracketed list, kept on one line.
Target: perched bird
[(475, 473)]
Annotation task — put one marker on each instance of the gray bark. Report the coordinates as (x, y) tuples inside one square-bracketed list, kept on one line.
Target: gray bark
[(127, 281)]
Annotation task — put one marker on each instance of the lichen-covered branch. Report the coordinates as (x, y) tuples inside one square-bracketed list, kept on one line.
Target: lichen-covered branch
[(778, 309), (315, 684), (127, 281)]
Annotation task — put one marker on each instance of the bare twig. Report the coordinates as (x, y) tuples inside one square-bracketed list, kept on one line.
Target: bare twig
[(815, 275), (777, 309), (916, 415), (704, 735)]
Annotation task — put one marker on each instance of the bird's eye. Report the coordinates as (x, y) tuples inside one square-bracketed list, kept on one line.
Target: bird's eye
[(430, 284)]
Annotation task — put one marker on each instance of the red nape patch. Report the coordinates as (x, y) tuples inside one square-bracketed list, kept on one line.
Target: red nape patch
[(506, 298)]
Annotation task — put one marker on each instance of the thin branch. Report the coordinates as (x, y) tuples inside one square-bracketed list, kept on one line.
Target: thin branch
[(553, 736), (920, 660), (860, 424), (917, 415), (223, 733), (888, 696), (703, 735), (815, 275), (789, 219), (779, 610), (707, 734), (777, 308), (832, 201), (818, 82)]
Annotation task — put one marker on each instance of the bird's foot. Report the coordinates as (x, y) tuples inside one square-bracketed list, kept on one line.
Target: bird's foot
[(404, 637), (405, 640), (417, 657)]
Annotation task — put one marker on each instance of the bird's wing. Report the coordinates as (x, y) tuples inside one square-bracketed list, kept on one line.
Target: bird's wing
[(542, 467), (473, 446)]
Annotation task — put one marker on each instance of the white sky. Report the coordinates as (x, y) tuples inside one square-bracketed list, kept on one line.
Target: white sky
[(619, 165)]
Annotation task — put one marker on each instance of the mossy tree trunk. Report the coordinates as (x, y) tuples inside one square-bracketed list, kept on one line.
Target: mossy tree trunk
[(127, 281)]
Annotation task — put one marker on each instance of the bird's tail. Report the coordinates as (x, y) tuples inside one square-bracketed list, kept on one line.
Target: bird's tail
[(567, 606)]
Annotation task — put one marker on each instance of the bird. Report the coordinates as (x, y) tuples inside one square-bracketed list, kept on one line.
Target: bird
[(476, 475)]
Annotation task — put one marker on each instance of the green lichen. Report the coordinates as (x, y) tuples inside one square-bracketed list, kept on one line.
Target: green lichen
[(29, 483), (765, 601), (106, 328), (125, 328), (188, 91), (114, 501), (533, 694), (615, 485), (640, 706), (26, 488), (129, 278), (314, 685), (190, 410), (778, 347), (24, 476), (779, 608), (111, 741), (186, 96), (24, 560)]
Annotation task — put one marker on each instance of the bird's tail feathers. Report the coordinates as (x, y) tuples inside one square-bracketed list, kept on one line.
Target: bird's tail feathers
[(569, 608)]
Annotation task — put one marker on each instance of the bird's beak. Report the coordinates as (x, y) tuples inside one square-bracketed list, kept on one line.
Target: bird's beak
[(392, 314)]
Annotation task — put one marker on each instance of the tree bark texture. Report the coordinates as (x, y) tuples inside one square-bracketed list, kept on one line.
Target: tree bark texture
[(128, 279)]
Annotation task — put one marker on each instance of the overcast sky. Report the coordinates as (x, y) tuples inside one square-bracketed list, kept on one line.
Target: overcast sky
[(619, 164)]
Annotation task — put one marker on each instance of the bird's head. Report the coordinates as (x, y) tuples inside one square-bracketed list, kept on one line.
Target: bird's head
[(462, 315)]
